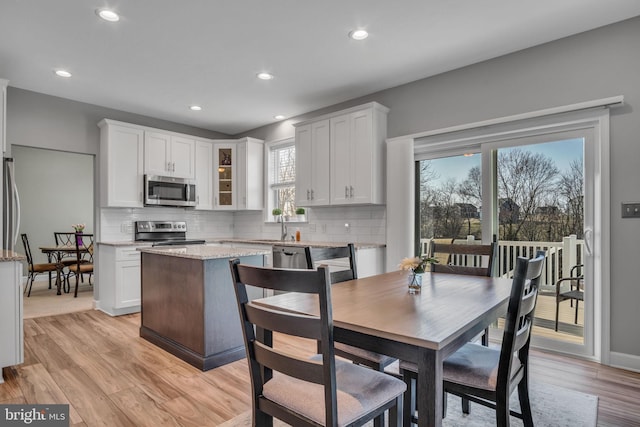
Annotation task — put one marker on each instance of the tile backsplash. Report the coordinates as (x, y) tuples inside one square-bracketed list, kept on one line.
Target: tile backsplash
[(117, 224), (360, 224)]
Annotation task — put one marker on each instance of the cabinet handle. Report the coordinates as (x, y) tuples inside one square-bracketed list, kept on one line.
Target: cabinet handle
[(308, 194), (168, 166), (312, 194), (346, 192), (351, 191), (173, 169)]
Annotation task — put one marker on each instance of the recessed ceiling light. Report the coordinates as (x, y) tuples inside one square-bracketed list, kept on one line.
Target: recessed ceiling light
[(264, 76), (278, 117), (108, 15), (358, 34), (63, 73), (195, 108)]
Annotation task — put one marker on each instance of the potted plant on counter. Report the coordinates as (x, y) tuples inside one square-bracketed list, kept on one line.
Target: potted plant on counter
[(300, 214), (276, 212)]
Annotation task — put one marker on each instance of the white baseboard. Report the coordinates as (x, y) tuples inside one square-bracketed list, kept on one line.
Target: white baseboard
[(624, 361)]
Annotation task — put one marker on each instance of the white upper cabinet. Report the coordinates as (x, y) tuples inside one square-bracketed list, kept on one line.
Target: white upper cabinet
[(250, 174), (312, 164), (340, 157), (121, 164), (238, 182), (357, 157), (169, 155), (204, 175)]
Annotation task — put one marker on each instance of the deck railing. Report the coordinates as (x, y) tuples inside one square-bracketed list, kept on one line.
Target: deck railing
[(560, 257)]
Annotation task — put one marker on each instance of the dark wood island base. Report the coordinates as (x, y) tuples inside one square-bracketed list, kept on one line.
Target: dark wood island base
[(188, 303)]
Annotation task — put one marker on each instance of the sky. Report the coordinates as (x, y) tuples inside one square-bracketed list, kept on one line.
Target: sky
[(562, 152)]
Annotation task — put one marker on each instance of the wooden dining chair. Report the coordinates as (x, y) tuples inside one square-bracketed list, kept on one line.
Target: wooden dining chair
[(318, 391), (84, 260), (473, 260), (35, 269), (574, 291), (488, 375), (373, 360)]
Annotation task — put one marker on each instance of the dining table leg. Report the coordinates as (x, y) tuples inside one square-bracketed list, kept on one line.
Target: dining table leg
[(429, 387), (60, 266)]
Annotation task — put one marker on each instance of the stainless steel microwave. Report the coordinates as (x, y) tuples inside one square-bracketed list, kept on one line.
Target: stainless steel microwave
[(169, 191)]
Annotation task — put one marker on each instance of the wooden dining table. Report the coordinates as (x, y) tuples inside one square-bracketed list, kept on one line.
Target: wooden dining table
[(378, 313), (56, 253)]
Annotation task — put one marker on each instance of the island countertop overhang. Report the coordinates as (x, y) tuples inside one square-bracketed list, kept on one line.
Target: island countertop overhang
[(203, 252)]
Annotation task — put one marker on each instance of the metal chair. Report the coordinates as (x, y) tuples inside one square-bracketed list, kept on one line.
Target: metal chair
[(322, 390), (84, 260), (34, 269), (574, 292)]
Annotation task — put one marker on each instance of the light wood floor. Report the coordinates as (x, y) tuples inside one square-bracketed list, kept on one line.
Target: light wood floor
[(111, 377)]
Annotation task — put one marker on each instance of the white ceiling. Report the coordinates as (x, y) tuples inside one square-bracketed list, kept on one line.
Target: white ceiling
[(164, 55)]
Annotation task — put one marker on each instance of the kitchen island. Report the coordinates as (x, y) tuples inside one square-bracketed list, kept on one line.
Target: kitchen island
[(188, 304)]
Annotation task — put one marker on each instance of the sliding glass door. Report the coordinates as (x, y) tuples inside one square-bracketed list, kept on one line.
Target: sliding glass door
[(534, 192)]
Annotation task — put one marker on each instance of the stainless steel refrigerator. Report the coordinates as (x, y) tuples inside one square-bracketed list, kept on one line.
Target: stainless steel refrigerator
[(10, 206)]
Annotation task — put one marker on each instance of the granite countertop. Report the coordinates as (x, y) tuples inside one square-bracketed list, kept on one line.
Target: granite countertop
[(125, 243), (7, 255), (203, 252), (300, 243), (265, 242)]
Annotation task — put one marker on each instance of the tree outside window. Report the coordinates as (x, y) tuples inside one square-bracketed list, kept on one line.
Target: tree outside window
[(282, 180)]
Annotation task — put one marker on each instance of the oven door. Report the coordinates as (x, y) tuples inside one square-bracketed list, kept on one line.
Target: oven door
[(169, 191)]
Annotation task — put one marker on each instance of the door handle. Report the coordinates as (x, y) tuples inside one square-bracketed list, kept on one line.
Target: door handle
[(351, 191), (588, 234)]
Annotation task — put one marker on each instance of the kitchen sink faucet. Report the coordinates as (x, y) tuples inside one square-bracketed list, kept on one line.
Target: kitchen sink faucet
[(283, 229)]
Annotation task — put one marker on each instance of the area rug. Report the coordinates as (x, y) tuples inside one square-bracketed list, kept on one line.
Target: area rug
[(552, 406), (44, 301)]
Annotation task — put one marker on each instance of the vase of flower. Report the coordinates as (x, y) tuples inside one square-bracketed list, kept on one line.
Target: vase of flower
[(79, 229), (416, 267), (414, 280)]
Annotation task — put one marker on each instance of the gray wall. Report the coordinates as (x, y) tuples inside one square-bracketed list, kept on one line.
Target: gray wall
[(38, 120), (56, 190), (597, 64)]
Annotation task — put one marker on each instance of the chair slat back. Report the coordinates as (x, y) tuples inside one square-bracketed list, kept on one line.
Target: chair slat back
[(326, 254), (519, 318), (472, 256), (263, 357)]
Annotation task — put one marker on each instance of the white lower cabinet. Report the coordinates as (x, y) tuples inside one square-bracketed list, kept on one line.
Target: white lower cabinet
[(119, 279), (11, 315)]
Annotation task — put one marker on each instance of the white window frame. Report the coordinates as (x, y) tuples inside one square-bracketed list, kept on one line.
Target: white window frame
[(271, 186)]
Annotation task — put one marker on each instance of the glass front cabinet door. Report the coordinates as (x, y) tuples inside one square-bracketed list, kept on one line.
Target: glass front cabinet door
[(225, 176)]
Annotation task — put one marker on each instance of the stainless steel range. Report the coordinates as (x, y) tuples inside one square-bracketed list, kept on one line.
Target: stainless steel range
[(164, 233)]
